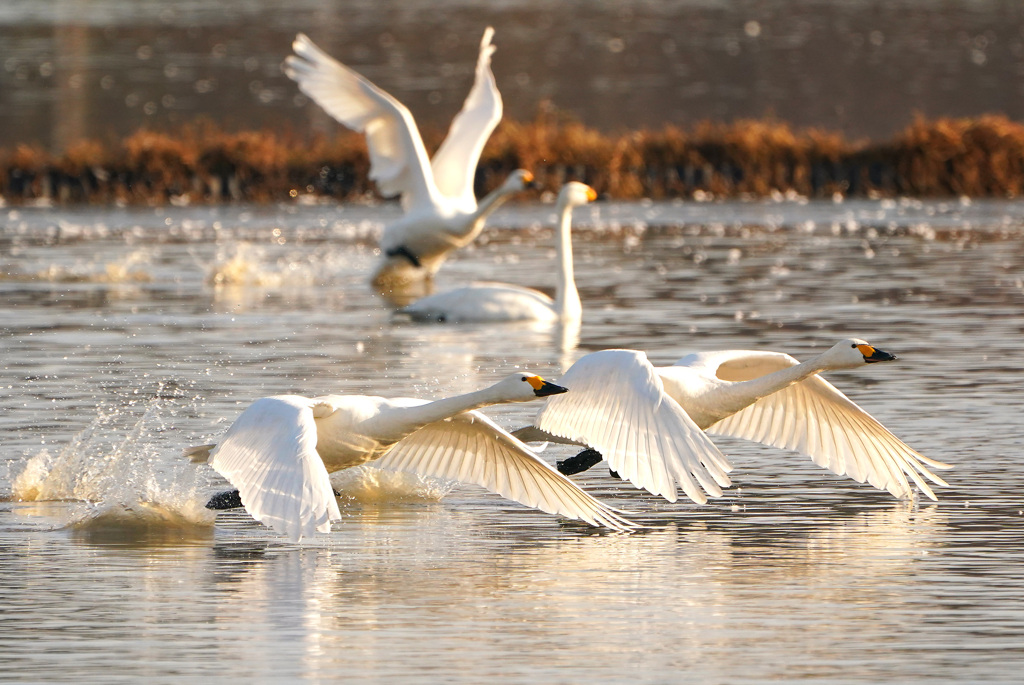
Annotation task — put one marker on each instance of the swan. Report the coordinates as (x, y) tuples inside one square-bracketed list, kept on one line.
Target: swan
[(441, 211), (649, 422), (492, 302), (279, 451)]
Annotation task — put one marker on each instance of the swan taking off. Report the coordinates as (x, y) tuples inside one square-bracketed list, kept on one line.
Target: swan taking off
[(441, 211), (648, 422), (503, 302), (280, 449)]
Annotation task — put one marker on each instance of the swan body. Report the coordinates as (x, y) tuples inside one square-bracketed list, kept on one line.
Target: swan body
[(441, 211), (494, 302), (280, 450), (639, 417)]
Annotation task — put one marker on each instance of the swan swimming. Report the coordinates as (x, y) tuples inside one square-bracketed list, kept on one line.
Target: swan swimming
[(441, 211), (649, 422), (279, 451), (492, 302)]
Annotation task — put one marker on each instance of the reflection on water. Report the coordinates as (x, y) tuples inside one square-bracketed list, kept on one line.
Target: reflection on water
[(794, 574)]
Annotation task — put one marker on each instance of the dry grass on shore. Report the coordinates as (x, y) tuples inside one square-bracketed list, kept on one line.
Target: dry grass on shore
[(202, 163)]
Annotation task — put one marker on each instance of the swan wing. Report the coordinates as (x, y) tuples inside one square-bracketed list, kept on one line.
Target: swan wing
[(269, 454), (814, 418), (617, 405), (471, 448), (398, 160), (454, 163), (483, 302)]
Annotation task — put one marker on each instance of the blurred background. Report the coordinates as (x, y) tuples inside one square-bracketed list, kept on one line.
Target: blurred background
[(101, 69)]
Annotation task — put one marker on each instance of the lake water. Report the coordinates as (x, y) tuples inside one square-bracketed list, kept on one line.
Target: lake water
[(128, 334)]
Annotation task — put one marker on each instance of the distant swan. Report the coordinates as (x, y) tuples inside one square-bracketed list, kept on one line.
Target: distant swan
[(504, 302), (441, 211), (279, 451), (648, 421)]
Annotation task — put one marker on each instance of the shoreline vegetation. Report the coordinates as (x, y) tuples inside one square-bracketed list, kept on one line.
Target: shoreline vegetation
[(202, 163)]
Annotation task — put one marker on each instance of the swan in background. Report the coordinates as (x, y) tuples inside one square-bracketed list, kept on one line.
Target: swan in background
[(279, 451), (441, 211), (491, 302), (641, 418)]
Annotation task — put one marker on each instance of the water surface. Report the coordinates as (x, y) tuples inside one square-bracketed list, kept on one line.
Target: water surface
[(127, 335)]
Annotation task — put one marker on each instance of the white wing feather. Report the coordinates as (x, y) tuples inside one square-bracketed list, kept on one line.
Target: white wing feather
[(617, 405), (398, 160), (814, 418), (269, 454), (454, 164), (470, 448)]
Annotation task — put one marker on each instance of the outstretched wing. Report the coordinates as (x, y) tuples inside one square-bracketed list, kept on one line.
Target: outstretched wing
[(269, 454), (398, 160), (454, 164), (470, 448), (617, 405), (816, 419)]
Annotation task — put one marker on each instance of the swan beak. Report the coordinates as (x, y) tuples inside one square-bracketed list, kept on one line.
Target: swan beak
[(528, 181), (873, 354), (542, 388)]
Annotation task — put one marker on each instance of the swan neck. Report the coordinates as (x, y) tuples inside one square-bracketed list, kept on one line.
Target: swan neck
[(491, 201), (567, 298), (742, 394), (420, 415)]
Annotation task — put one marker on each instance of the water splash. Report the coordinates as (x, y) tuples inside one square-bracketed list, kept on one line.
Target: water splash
[(368, 485), (117, 466)]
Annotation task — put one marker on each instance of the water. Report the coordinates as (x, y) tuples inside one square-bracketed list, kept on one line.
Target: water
[(129, 334), (103, 68)]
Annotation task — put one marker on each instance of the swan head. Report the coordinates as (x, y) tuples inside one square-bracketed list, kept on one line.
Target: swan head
[(574, 194), (518, 181), (853, 353), (525, 386)]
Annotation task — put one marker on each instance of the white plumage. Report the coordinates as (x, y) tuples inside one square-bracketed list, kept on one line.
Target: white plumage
[(441, 211), (646, 421), (279, 451), (495, 302)]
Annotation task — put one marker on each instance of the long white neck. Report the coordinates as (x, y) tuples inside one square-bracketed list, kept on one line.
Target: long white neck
[(733, 397), (491, 201), (395, 422), (488, 203), (567, 298)]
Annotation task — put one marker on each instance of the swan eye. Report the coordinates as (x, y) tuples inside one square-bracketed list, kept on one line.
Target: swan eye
[(535, 382)]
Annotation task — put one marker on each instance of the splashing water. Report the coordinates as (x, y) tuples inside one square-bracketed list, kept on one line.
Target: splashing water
[(368, 485), (117, 468)]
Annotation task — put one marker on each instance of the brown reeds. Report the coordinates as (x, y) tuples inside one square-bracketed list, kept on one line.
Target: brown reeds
[(982, 157)]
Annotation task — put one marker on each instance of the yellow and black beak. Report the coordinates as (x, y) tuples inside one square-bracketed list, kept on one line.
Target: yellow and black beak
[(529, 181), (873, 354), (542, 388)]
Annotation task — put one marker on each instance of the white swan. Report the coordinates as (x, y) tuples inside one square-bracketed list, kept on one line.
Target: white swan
[(280, 449), (648, 421), (441, 211), (504, 302)]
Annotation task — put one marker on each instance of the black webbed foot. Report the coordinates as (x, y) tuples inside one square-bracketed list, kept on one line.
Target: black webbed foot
[(225, 500), (231, 499), (403, 251), (580, 463)]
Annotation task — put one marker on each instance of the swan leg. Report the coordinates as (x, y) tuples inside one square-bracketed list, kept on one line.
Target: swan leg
[(403, 251), (229, 499), (580, 463)]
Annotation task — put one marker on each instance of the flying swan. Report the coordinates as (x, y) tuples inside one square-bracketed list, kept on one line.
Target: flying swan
[(279, 451), (441, 211), (648, 422), (493, 302)]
